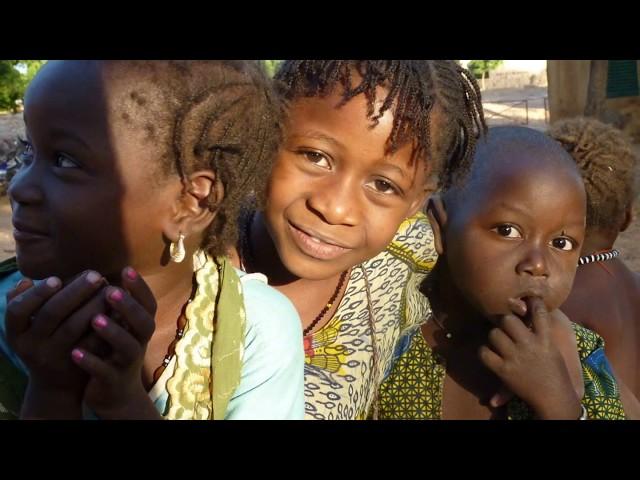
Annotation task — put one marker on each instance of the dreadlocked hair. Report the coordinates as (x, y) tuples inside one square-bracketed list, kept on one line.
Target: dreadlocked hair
[(217, 115), (608, 167), (415, 89)]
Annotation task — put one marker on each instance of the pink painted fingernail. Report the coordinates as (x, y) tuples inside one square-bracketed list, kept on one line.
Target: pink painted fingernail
[(116, 295), (100, 321), (53, 282), (131, 273), (77, 354)]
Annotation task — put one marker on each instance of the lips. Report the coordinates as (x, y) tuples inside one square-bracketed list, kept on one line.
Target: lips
[(519, 299), (532, 293), (23, 231), (317, 245)]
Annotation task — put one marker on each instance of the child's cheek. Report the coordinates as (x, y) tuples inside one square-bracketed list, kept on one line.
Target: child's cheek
[(560, 292)]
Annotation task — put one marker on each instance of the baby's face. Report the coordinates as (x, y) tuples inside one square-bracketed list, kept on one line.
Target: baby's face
[(516, 234)]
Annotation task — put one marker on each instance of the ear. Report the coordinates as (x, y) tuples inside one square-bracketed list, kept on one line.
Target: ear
[(196, 205), (628, 217), (438, 218)]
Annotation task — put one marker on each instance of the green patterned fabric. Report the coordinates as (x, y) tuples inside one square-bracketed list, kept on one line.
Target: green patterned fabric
[(413, 390), (339, 365)]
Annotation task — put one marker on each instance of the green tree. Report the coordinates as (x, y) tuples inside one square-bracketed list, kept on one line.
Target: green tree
[(481, 68), (32, 67), (11, 84), (271, 66), (15, 76)]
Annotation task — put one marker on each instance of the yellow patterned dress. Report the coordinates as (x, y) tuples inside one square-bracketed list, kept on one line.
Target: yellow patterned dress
[(340, 380), (413, 390)]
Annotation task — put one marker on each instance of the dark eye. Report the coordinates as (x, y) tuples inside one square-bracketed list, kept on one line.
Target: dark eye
[(562, 243), (508, 231), (25, 151), (64, 161), (383, 186), (317, 158)]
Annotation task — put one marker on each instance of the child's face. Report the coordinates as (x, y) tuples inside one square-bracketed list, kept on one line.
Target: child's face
[(85, 197), (335, 199), (517, 234)]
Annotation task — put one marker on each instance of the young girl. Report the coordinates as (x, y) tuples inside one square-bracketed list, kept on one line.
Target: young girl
[(132, 173), (509, 236), (339, 233), (606, 294)]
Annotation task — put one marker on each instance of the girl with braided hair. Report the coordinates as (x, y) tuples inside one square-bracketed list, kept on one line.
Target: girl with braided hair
[(340, 230), (125, 306), (606, 293)]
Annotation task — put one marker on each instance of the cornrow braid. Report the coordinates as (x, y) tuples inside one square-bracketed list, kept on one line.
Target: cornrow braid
[(436, 104), (607, 164), (217, 115)]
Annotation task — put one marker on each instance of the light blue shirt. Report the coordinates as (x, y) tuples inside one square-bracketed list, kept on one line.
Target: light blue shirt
[(272, 375)]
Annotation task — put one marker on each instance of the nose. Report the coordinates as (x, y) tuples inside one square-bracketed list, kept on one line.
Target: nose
[(336, 202), (533, 263), (25, 187)]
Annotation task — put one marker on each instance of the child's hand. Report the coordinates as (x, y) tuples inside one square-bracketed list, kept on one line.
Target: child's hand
[(530, 365), (43, 322), (115, 388)]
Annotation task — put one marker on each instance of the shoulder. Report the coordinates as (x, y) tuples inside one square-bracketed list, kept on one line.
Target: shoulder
[(589, 341), (9, 276), (582, 306), (413, 242), (272, 378), (601, 390), (269, 313), (597, 371)]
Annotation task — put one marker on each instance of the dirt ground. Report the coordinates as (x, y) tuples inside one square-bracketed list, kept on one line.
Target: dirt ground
[(525, 106), (522, 106)]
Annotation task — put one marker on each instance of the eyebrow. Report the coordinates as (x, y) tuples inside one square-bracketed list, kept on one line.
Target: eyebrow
[(320, 136), (326, 138), (575, 224), (513, 208), (401, 171), (61, 132), (524, 211)]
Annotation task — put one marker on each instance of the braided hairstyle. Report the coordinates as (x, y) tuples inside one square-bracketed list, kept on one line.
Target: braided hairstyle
[(218, 115), (608, 167), (420, 92)]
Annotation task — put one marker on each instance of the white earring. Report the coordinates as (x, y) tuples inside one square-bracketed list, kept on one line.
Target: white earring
[(176, 250)]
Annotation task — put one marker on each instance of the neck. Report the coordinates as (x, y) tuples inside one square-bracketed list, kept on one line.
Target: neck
[(268, 261), (596, 241), (452, 311), (172, 286), (310, 297)]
